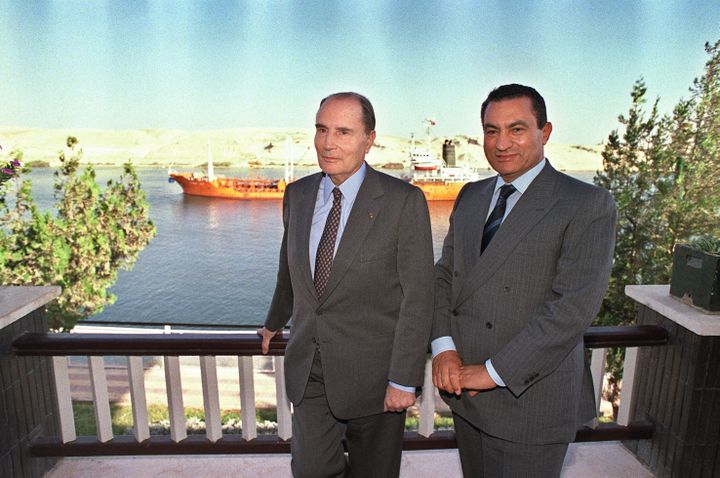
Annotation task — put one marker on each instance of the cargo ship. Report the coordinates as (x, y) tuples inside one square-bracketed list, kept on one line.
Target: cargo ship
[(443, 183), (438, 178), (210, 185)]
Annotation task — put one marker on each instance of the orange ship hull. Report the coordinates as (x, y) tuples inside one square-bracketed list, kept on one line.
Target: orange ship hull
[(439, 190), (232, 188)]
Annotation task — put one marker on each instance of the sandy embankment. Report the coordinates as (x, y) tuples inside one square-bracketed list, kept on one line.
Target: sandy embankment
[(267, 147)]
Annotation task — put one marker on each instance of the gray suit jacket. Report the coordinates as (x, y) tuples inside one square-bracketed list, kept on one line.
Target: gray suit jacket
[(526, 303), (374, 320)]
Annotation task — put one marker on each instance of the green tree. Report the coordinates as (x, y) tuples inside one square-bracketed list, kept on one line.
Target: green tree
[(665, 176), (627, 174), (691, 207), (92, 234), (627, 169)]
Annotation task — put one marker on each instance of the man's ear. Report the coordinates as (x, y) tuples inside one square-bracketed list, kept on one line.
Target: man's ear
[(370, 141), (546, 130)]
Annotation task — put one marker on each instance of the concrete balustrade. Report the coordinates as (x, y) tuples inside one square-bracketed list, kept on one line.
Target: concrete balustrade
[(672, 387), (27, 389)]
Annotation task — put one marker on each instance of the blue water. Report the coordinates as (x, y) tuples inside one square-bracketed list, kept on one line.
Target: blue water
[(213, 261)]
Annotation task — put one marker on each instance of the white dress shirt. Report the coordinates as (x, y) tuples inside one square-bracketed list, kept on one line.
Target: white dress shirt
[(349, 189), (445, 343)]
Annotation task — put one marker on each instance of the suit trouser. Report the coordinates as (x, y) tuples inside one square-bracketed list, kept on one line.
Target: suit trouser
[(485, 456), (374, 443)]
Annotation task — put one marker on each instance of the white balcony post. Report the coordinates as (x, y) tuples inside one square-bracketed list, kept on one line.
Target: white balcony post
[(597, 369), (64, 399), (247, 398), (176, 409), (426, 424), (98, 381), (628, 384), (138, 398), (211, 397), (284, 418)]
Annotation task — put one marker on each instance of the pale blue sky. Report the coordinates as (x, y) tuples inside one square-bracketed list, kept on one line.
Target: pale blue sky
[(210, 65)]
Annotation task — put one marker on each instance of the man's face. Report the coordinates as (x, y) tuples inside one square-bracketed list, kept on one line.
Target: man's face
[(513, 142), (340, 139)]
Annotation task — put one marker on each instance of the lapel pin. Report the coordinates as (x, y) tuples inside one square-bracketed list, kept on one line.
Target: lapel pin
[(371, 215)]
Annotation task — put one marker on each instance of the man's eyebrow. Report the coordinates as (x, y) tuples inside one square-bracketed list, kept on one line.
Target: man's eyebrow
[(518, 123), (511, 125), (342, 129)]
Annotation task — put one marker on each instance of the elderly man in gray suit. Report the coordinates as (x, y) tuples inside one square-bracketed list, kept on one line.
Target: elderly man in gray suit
[(356, 280), (523, 271)]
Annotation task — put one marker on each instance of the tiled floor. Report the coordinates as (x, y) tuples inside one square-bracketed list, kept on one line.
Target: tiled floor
[(584, 460)]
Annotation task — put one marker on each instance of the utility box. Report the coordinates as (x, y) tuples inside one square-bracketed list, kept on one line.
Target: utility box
[(696, 277)]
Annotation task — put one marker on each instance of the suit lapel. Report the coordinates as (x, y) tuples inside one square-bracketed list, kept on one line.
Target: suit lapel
[(534, 204), (368, 204), (302, 233), (469, 227)]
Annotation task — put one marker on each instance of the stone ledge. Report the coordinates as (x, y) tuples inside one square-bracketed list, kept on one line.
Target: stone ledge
[(658, 298), (18, 301)]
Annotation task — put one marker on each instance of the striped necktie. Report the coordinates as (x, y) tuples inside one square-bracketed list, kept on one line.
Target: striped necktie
[(324, 256), (496, 216)]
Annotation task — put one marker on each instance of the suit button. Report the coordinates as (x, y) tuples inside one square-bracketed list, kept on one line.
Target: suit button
[(314, 340), (457, 273), (488, 325), (506, 288), (455, 313)]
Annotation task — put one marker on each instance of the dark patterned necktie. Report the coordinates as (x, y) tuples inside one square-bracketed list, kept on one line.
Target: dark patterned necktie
[(496, 216), (324, 255)]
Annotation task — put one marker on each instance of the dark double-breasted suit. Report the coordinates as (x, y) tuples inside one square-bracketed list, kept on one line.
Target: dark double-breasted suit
[(526, 302), (373, 322)]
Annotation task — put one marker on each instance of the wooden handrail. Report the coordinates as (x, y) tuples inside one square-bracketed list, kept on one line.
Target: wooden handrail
[(185, 344), (194, 344), (200, 445), (625, 336), (246, 345)]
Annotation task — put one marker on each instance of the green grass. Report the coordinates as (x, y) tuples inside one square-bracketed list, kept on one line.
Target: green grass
[(122, 420), (121, 417)]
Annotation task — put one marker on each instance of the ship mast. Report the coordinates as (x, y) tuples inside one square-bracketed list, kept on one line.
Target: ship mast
[(289, 159), (429, 123), (210, 168)]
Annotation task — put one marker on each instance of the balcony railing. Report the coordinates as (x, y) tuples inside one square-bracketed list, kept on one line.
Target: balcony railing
[(207, 346)]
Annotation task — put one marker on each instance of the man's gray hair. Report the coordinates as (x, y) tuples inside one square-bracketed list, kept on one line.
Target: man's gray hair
[(367, 108)]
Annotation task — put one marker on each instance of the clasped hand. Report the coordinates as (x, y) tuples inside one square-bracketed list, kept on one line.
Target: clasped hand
[(450, 374)]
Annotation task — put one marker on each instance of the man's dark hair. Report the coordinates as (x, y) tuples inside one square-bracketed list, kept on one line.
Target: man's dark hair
[(507, 92), (367, 109)]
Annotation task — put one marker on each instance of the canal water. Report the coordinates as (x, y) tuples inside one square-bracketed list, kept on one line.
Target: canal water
[(213, 261)]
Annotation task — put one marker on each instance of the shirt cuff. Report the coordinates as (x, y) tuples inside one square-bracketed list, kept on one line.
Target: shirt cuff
[(442, 344), (493, 374), (402, 387)]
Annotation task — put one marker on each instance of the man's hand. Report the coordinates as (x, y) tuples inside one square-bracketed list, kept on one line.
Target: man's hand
[(446, 371), (397, 400), (475, 378), (266, 336)]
